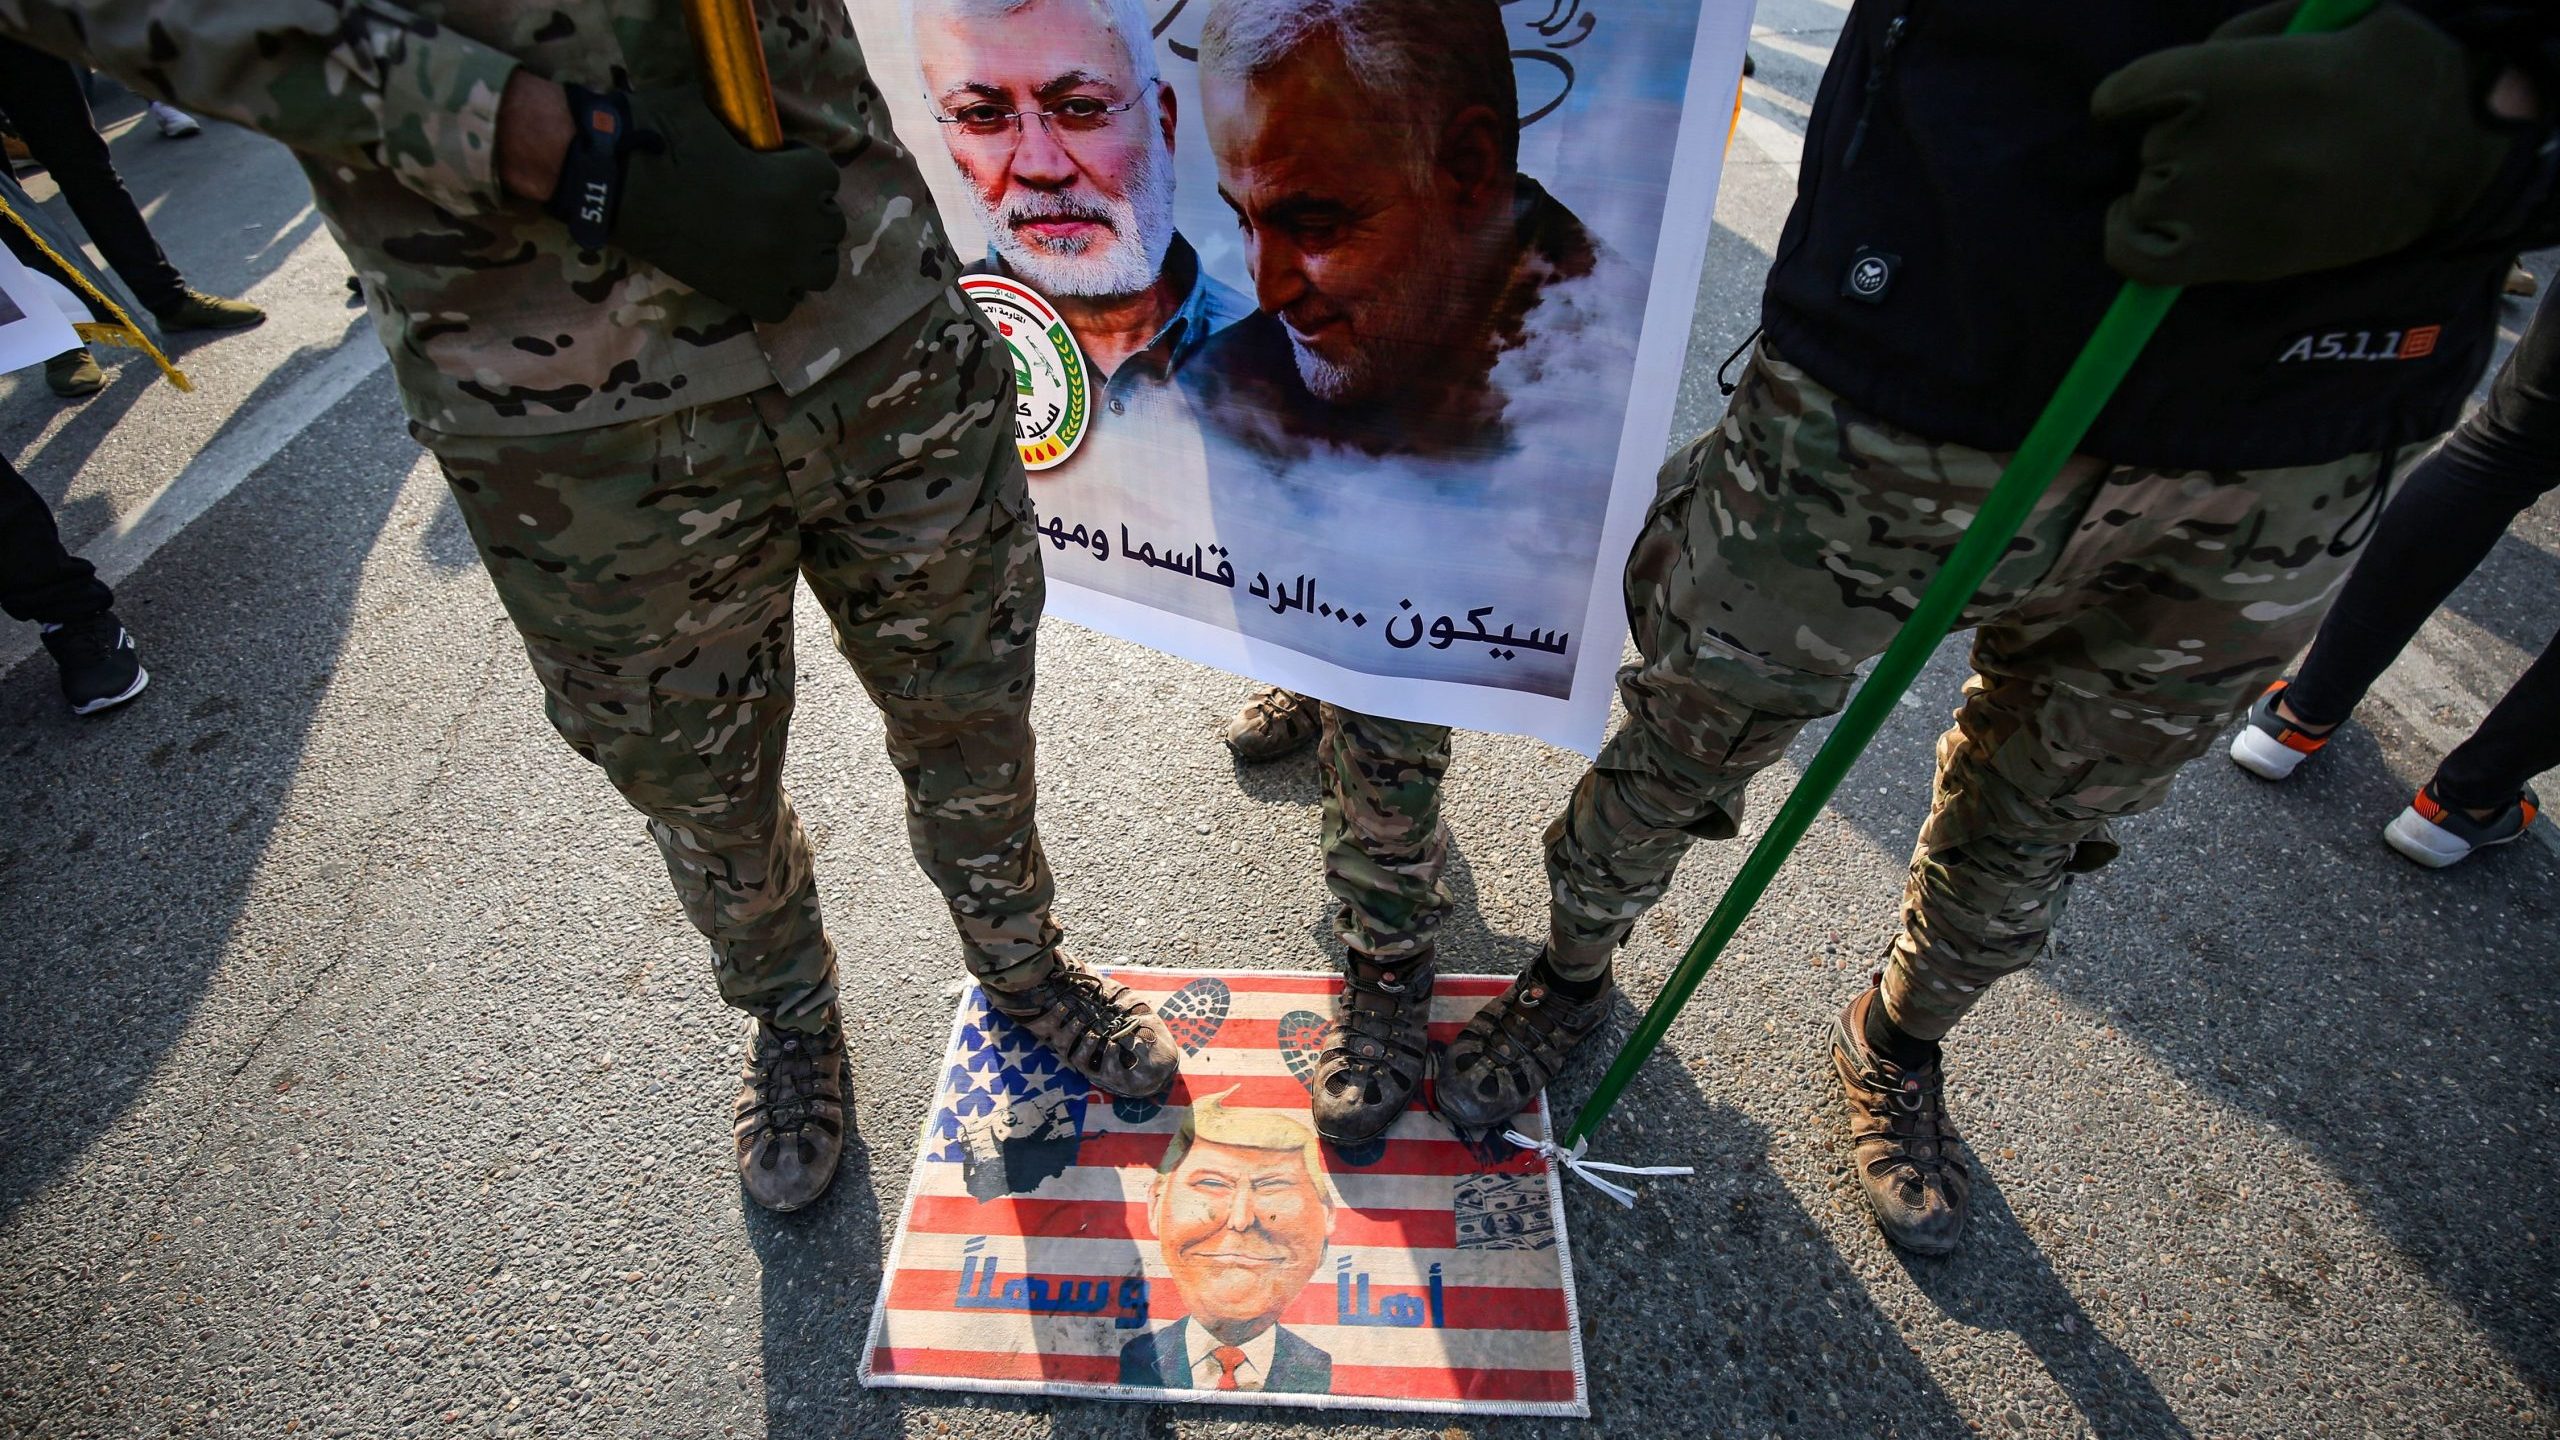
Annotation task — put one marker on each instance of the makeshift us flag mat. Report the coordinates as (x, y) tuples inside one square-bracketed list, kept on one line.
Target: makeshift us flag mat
[(1205, 1246)]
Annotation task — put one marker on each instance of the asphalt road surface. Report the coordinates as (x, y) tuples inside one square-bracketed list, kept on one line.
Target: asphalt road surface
[(360, 1077)]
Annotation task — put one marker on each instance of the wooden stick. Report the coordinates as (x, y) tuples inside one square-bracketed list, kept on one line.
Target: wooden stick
[(733, 72)]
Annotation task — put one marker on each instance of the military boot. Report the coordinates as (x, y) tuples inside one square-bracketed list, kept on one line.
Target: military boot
[(1517, 1044), (790, 1113), (1378, 1050), (1105, 1033), (1273, 724), (1911, 1161)]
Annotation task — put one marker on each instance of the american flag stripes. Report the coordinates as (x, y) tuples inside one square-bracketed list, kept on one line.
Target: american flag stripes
[(1423, 1271)]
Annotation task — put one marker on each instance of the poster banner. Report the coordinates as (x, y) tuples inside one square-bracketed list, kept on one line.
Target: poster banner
[(1346, 331), (1205, 1246), (35, 315)]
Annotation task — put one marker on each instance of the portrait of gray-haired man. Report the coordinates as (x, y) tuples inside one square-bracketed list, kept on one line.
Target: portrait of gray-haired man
[(1442, 348), (1062, 128), (1369, 150)]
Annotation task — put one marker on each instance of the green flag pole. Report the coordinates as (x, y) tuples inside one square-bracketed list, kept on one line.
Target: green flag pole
[(2085, 389)]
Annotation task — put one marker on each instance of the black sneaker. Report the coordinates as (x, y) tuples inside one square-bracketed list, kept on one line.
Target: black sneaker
[(99, 667), (789, 1115)]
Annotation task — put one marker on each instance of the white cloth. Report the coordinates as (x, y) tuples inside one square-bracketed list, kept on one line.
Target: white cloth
[(1250, 1372)]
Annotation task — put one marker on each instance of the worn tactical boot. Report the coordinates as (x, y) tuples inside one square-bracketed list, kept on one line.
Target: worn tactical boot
[(1914, 1166), (790, 1113), (195, 310), (1516, 1045), (1377, 1050), (1108, 1035), (1273, 724)]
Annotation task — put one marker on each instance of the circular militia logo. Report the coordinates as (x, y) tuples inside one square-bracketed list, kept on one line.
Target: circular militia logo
[(1053, 393), (1870, 275)]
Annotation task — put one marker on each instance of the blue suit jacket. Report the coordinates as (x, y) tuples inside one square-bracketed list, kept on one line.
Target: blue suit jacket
[(1162, 1358)]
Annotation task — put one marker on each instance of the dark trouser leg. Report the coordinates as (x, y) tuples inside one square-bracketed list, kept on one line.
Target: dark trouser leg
[(40, 580), (2449, 515), (1785, 548), (1384, 844), (916, 536), (45, 98), (2149, 634), (2519, 740), (662, 634)]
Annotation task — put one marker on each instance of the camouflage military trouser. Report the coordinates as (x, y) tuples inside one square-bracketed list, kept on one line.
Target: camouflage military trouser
[(1384, 845), (650, 567), (2135, 615)]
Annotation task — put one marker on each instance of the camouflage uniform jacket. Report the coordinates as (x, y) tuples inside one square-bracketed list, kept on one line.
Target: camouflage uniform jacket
[(496, 323)]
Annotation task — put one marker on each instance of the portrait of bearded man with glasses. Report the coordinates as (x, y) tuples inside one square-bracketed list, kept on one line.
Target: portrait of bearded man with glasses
[(1063, 133)]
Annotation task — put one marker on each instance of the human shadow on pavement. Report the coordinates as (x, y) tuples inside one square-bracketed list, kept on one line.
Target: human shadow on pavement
[(136, 835), (821, 1273), (2302, 975), (2395, 1021), (52, 468), (1715, 1304), (2001, 1281)]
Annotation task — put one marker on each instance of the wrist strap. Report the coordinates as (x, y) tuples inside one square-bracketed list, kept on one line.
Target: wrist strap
[(589, 194)]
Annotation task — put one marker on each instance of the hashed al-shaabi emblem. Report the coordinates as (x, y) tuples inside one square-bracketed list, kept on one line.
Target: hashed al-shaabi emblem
[(1053, 392)]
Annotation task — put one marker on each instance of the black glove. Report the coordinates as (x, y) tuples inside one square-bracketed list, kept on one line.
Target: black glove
[(655, 173), (2271, 155)]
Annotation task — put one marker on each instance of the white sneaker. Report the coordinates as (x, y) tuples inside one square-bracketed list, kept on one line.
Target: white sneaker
[(2436, 835), (175, 124), (2268, 746)]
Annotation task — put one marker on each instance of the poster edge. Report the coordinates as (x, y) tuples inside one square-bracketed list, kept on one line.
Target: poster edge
[(1564, 1259), (1556, 720), (1672, 289), (898, 1231), (1577, 721), (1156, 1395)]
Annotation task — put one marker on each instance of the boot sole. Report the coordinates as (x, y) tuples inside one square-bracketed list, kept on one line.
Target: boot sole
[(1250, 755)]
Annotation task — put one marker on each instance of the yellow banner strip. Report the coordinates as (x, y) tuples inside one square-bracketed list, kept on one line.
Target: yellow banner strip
[(123, 332)]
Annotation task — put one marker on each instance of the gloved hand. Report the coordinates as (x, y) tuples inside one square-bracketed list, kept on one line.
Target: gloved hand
[(655, 173), (2271, 155)]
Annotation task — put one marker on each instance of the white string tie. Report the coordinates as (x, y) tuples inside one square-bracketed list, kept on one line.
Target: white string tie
[(1572, 1160)]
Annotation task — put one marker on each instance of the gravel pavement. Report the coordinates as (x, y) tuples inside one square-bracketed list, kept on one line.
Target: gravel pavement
[(363, 1080)]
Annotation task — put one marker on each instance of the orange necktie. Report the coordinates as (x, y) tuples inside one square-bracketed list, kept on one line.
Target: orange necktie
[(1228, 1358)]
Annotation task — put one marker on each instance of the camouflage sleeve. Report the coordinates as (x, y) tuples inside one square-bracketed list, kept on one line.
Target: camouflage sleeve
[(357, 81)]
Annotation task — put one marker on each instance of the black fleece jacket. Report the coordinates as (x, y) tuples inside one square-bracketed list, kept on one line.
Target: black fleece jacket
[(1944, 260)]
